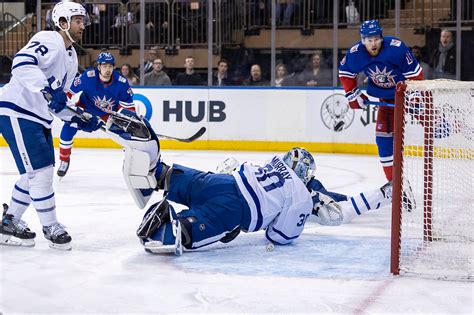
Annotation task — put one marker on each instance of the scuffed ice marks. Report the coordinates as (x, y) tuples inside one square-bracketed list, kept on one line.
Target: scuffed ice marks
[(312, 256)]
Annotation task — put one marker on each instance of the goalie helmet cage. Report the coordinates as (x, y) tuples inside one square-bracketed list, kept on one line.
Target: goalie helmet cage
[(433, 167)]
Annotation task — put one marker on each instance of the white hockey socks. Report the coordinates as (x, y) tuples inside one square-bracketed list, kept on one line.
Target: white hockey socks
[(20, 197), (363, 202)]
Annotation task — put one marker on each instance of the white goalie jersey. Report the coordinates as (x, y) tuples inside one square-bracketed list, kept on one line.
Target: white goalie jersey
[(279, 201), (43, 62)]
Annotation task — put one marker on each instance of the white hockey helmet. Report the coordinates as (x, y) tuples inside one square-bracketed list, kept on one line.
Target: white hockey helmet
[(67, 10)]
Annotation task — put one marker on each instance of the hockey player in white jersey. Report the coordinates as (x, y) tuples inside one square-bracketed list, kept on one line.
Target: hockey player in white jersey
[(272, 197), (42, 72), (331, 208), (249, 198)]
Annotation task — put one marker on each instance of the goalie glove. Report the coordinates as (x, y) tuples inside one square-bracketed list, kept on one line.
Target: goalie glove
[(326, 210), (356, 99)]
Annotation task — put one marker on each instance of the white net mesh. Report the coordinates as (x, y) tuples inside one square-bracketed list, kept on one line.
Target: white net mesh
[(438, 171)]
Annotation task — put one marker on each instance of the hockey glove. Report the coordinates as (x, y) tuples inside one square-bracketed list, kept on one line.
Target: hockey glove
[(88, 126), (58, 100), (356, 99)]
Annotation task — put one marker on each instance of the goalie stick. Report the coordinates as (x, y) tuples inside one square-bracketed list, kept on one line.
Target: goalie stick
[(128, 119)]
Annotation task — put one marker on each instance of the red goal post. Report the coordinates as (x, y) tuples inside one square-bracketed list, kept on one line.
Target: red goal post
[(434, 170)]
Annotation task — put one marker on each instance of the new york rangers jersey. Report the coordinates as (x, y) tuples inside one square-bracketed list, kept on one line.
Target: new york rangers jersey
[(394, 63), (99, 98), (43, 62), (278, 200)]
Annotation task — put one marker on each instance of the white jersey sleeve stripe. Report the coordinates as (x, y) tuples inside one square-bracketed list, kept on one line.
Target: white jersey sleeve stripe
[(28, 57), (413, 73), (126, 104), (253, 194), (275, 236), (283, 234), (347, 74), (20, 60)]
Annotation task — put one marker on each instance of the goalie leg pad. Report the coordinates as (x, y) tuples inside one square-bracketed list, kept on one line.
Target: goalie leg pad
[(137, 175), (160, 231), (155, 216)]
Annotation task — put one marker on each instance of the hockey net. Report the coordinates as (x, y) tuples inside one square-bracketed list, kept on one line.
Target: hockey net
[(433, 195)]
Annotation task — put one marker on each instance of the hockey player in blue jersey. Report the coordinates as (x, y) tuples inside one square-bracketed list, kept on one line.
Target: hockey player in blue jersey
[(100, 91), (42, 71), (385, 61), (276, 197)]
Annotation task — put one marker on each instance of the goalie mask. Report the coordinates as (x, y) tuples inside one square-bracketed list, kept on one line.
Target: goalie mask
[(301, 162)]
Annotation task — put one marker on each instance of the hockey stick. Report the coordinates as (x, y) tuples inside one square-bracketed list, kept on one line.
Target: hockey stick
[(85, 116), (367, 102), (340, 124), (196, 136)]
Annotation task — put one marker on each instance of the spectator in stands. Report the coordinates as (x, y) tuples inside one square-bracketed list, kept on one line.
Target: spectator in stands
[(221, 76), (288, 5), (189, 77), (152, 55), (157, 76), (93, 30), (416, 50), (49, 18), (256, 78), (443, 58), (126, 71), (316, 74), (281, 74)]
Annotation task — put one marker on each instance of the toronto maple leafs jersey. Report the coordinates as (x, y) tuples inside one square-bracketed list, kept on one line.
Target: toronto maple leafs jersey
[(394, 63), (99, 98), (278, 200), (43, 62)]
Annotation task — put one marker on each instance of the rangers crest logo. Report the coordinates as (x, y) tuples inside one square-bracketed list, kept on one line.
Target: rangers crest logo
[(382, 78), (104, 103)]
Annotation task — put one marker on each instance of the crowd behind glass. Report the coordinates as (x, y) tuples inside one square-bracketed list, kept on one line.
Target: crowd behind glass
[(176, 24)]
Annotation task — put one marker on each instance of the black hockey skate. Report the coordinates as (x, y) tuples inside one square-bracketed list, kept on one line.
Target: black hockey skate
[(57, 236), (155, 216), (15, 232), (62, 169)]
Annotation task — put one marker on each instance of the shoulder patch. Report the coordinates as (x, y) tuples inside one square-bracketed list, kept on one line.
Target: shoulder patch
[(91, 73), (129, 91), (395, 42), (354, 48), (122, 79), (77, 81)]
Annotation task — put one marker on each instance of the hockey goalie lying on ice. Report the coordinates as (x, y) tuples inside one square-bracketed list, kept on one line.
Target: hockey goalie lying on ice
[(277, 197)]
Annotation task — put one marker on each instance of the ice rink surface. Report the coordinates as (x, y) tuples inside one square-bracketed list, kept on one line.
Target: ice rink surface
[(341, 269)]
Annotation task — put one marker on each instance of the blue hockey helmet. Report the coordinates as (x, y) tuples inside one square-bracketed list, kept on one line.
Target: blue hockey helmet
[(105, 57), (302, 162), (370, 28)]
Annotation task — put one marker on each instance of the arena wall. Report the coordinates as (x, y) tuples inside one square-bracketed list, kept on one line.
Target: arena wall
[(250, 119)]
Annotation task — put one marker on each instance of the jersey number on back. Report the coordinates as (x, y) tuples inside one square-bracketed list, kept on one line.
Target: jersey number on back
[(272, 180)]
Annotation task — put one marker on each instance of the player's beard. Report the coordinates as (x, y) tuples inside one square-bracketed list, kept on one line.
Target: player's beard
[(76, 35), (106, 76)]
